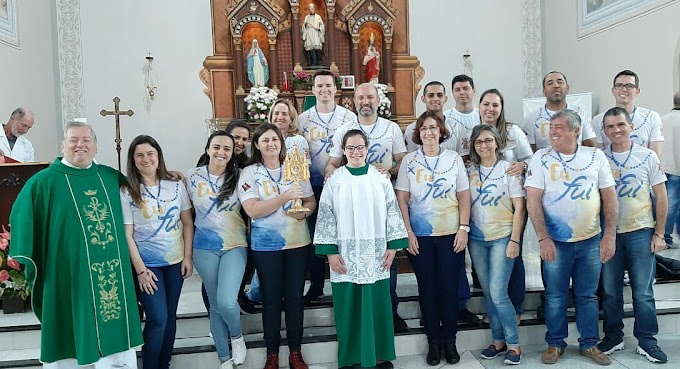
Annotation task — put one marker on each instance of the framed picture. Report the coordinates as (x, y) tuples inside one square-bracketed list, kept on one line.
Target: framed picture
[(347, 82), (9, 30), (595, 16)]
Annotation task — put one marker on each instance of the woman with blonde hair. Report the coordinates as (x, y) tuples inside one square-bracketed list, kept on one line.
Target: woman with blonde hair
[(284, 116)]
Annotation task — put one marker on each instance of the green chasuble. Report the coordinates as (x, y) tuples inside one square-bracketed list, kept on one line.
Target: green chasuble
[(67, 228), (363, 312)]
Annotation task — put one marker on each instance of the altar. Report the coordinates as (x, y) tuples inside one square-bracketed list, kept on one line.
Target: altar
[(352, 32)]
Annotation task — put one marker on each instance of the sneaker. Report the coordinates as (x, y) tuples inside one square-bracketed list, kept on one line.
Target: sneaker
[(513, 357), (238, 350), (466, 316), (400, 325), (597, 356), (626, 278), (608, 345), (485, 319), (653, 353), (552, 354), (247, 306), (227, 364), (491, 352)]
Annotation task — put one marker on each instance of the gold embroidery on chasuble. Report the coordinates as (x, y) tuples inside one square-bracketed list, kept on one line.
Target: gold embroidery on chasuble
[(107, 282), (100, 231)]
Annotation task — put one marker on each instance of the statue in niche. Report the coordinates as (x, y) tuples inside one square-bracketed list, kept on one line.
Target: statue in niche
[(258, 69), (313, 35), (372, 61)]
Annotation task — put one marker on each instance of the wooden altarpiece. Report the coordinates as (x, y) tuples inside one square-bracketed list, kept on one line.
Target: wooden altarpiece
[(13, 177), (276, 24)]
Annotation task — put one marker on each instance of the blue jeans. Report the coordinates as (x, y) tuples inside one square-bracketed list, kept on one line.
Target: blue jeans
[(436, 268), (633, 253), (581, 261), (161, 316), (222, 272), (493, 270), (673, 191)]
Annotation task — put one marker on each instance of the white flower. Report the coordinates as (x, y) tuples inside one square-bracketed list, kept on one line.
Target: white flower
[(263, 116)]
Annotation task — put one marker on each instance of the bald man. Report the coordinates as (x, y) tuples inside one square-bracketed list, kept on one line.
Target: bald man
[(12, 140)]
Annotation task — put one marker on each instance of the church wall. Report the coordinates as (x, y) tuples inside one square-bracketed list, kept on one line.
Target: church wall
[(27, 77), (647, 45), (116, 37), (442, 31)]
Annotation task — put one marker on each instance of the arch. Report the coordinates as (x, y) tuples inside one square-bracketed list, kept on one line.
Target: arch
[(255, 31), (365, 33), (240, 25)]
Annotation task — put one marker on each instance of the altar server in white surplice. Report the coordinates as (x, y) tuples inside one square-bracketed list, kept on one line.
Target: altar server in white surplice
[(360, 228)]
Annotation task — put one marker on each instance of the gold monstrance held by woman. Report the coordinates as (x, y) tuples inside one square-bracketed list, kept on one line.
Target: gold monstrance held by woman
[(296, 169)]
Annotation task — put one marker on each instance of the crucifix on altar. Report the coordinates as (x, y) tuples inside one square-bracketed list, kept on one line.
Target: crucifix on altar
[(117, 113)]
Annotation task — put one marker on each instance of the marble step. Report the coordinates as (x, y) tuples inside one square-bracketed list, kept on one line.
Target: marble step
[(196, 324), (320, 346)]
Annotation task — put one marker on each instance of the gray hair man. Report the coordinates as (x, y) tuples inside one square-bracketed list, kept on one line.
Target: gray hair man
[(567, 186), (12, 140)]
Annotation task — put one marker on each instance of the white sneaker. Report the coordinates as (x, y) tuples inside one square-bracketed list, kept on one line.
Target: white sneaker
[(227, 364), (238, 350)]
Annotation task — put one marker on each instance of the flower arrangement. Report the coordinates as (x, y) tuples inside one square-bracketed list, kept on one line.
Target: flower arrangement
[(12, 279), (300, 77), (385, 103), (258, 102)]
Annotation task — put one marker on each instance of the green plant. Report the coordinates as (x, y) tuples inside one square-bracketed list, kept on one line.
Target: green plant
[(12, 278)]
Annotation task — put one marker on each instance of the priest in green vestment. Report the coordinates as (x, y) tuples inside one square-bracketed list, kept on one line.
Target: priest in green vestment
[(67, 228), (360, 228)]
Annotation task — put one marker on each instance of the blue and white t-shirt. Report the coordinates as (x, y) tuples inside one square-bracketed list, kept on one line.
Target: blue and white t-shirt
[(635, 172), (318, 129), (432, 183), (647, 127), (218, 227), (537, 127), (157, 224), (571, 190), (492, 191), (384, 141), (276, 231), (462, 125)]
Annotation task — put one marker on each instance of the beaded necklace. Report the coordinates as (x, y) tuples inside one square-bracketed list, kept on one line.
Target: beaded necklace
[(157, 197)]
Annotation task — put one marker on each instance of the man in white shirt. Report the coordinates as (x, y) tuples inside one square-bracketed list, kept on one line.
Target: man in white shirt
[(318, 125), (537, 123), (646, 123), (639, 235), (464, 116), (434, 97), (12, 140), (567, 185), (671, 165)]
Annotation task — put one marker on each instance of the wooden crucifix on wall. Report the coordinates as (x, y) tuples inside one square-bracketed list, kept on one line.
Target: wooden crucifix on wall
[(117, 113)]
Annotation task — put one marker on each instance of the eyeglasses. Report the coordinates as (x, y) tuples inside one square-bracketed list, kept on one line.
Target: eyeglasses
[(627, 86), (429, 129), (359, 148), (487, 142)]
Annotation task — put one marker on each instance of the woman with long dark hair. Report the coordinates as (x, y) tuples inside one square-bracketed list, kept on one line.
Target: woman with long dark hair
[(220, 246), (159, 230), (497, 222), (279, 240)]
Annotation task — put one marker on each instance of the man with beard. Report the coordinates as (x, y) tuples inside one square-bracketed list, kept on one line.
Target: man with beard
[(537, 123), (386, 148), (12, 140), (318, 125), (647, 130)]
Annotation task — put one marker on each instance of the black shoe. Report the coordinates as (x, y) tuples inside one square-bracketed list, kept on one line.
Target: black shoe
[(400, 325), (451, 353), (312, 297), (385, 365), (465, 316), (247, 306), (434, 354)]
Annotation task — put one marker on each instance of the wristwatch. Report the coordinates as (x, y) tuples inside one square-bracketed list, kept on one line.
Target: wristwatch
[(464, 227)]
